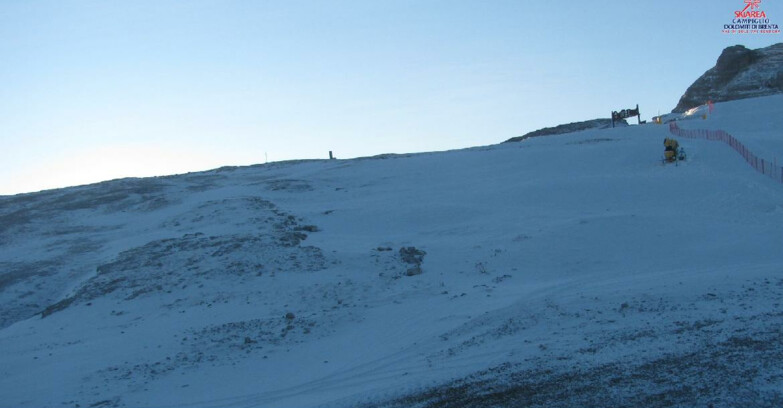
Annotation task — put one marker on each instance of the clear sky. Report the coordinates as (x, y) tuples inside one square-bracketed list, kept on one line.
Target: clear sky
[(96, 90)]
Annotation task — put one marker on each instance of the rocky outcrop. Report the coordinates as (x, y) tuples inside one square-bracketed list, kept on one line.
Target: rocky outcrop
[(569, 128), (738, 74)]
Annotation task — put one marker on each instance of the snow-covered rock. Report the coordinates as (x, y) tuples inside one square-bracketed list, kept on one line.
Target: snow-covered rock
[(739, 73)]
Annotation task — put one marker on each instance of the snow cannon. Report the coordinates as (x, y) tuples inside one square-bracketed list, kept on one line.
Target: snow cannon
[(672, 152)]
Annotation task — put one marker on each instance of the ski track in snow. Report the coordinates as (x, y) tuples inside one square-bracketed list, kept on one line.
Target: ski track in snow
[(564, 270)]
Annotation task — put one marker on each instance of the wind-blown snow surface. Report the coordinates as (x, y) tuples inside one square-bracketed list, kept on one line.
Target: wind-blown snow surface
[(571, 270)]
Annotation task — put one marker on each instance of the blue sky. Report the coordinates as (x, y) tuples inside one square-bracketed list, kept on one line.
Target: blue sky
[(95, 90)]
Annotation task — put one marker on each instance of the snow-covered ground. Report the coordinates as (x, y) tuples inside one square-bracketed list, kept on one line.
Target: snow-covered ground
[(569, 270), (756, 122)]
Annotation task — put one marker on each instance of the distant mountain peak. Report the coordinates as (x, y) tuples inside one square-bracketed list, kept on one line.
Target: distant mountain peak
[(739, 73)]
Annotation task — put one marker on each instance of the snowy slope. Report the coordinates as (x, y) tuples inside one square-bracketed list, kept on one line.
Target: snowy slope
[(565, 270), (758, 123)]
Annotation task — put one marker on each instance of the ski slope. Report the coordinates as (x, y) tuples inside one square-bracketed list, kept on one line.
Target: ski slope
[(564, 270)]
